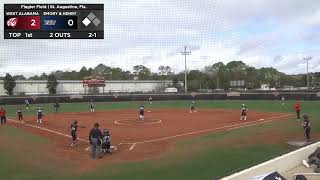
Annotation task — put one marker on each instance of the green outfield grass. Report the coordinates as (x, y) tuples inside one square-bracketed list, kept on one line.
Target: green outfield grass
[(199, 157)]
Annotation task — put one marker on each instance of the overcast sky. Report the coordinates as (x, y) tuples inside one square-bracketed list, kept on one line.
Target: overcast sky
[(262, 33)]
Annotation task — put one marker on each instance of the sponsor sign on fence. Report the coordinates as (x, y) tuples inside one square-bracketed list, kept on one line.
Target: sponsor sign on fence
[(76, 97), (234, 94)]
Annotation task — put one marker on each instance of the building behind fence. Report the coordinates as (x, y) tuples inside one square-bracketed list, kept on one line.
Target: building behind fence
[(38, 87)]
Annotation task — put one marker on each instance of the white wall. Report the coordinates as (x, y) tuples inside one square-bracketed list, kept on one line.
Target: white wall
[(2, 91), (30, 87), (76, 87)]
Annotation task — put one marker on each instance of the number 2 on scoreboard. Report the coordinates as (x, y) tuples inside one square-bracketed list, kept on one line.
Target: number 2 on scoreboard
[(33, 22)]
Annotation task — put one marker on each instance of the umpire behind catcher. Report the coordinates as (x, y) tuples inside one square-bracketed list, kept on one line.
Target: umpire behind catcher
[(95, 138)]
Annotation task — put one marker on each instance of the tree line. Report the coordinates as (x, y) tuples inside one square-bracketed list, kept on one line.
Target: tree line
[(215, 76)]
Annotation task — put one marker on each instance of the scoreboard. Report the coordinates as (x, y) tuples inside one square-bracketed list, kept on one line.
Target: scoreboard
[(53, 21)]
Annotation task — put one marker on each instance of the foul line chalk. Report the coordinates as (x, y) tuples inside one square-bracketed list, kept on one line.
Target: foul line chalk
[(48, 130), (134, 144)]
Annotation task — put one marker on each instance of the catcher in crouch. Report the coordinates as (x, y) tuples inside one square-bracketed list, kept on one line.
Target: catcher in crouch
[(106, 142)]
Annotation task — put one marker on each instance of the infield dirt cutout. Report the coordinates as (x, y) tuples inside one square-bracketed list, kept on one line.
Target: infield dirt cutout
[(134, 138), (135, 121)]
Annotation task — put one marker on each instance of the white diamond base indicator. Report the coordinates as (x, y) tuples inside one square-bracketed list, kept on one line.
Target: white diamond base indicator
[(86, 21)]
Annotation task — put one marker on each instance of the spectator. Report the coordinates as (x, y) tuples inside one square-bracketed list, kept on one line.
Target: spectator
[(300, 177), (313, 159)]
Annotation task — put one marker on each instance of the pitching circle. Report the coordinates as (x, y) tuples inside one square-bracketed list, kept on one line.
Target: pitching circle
[(130, 122)]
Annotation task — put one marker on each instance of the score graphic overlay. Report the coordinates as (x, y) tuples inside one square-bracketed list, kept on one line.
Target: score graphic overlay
[(53, 21)]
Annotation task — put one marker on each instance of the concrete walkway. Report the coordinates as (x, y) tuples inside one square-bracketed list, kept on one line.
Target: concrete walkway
[(300, 169)]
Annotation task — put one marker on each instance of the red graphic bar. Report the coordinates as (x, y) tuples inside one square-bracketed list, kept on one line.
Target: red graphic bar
[(22, 22)]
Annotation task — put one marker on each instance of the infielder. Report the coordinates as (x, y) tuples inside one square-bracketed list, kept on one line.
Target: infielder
[(244, 111), (39, 115), (193, 107), (74, 128), (306, 127), (19, 114), (141, 112)]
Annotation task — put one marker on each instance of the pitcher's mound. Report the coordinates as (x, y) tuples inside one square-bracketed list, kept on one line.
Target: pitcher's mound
[(129, 122)]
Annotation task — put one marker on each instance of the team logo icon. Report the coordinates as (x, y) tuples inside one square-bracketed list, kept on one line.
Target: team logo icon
[(12, 22), (50, 22)]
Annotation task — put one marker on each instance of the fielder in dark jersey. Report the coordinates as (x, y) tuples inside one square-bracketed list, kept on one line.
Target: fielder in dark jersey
[(193, 107), (141, 112), (27, 104), (39, 115), (91, 106), (306, 127), (74, 128), (106, 141), (56, 107), (244, 111), (19, 113)]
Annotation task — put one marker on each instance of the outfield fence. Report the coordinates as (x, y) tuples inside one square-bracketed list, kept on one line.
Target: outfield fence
[(301, 96)]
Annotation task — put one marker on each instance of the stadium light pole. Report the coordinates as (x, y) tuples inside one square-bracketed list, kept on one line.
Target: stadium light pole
[(185, 53), (307, 59)]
